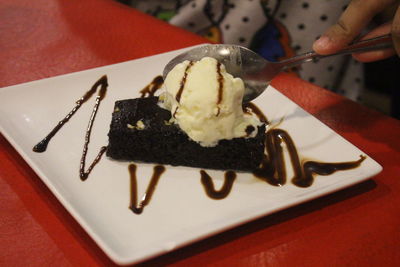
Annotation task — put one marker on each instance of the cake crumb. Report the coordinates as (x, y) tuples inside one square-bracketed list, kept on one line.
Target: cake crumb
[(140, 125)]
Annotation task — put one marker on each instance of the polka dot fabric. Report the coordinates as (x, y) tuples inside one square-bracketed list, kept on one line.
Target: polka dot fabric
[(276, 29)]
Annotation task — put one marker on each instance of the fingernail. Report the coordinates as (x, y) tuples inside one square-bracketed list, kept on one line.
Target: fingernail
[(321, 43)]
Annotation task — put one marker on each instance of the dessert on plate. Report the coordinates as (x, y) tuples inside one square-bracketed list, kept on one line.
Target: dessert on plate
[(198, 121)]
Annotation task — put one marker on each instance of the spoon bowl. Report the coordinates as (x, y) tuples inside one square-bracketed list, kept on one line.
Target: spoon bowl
[(239, 62), (255, 71)]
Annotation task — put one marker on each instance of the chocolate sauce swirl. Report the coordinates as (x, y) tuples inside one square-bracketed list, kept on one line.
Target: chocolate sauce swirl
[(249, 129), (323, 168), (220, 80), (220, 83), (176, 110), (183, 82), (209, 187), (273, 169), (158, 170), (82, 173), (102, 82), (152, 87), (250, 107), (85, 174)]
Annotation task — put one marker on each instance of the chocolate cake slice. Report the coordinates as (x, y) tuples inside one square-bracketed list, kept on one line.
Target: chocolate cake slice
[(140, 131)]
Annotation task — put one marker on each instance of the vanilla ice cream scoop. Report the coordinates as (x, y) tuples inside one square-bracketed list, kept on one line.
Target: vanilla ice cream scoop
[(206, 102)]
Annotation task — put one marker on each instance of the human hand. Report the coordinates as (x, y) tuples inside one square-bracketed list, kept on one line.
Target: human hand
[(352, 21)]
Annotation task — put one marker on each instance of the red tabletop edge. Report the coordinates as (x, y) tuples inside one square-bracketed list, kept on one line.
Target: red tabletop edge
[(358, 226)]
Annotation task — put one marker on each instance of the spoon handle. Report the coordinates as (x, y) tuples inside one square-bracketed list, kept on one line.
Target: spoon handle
[(377, 43)]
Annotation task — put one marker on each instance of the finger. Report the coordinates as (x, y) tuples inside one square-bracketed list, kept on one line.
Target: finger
[(378, 54), (396, 31), (375, 55), (378, 31), (356, 16)]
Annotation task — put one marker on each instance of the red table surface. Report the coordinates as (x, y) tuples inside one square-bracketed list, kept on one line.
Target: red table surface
[(358, 226)]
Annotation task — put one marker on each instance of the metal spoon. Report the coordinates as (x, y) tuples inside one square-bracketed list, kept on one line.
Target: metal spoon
[(257, 72)]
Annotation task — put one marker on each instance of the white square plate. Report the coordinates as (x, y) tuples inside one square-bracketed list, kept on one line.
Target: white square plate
[(179, 212)]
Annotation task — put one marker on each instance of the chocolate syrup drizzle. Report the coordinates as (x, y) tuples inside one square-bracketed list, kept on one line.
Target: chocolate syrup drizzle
[(176, 110), (226, 187), (252, 108), (152, 87), (220, 83), (158, 170), (273, 169), (220, 87), (85, 174), (183, 82), (138, 209), (42, 145), (249, 129), (82, 173)]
